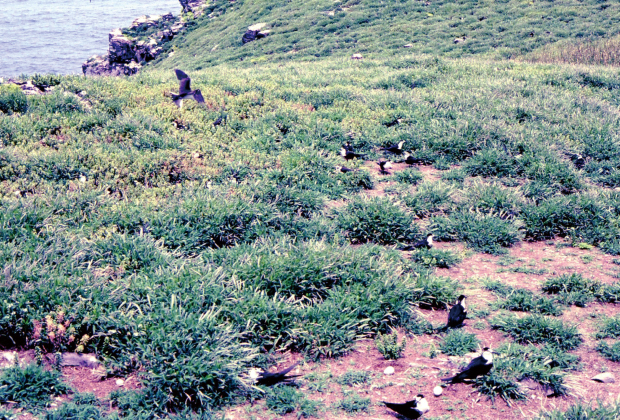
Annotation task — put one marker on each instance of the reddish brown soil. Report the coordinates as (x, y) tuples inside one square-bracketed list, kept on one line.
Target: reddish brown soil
[(416, 372)]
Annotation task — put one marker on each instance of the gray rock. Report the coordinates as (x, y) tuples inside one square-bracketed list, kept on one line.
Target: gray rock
[(255, 32), (80, 359), (101, 66), (121, 48), (194, 6), (606, 378)]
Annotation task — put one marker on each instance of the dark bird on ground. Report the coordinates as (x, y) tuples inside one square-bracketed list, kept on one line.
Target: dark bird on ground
[(344, 169), (268, 378), (218, 121), (413, 409), (384, 165), (457, 314), (422, 243), (577, 160), (410, 160), (185, 90), (347, 146), (349, 154), (397, 149), (392, 123), (481, 365)]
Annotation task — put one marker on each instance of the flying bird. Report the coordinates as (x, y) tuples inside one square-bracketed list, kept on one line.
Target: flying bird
[(413, 409), (384, 165), (397, 149), (479, 366), (458, 313), (349, 154), (185, 90), (272, 378)]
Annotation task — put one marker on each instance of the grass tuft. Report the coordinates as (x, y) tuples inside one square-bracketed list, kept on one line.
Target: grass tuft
[(538, 329)]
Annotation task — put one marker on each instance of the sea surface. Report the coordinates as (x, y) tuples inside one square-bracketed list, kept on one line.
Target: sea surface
[(57, 36)]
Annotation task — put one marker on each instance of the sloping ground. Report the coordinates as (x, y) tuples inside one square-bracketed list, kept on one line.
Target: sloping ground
[(321, 28), (185, 252)]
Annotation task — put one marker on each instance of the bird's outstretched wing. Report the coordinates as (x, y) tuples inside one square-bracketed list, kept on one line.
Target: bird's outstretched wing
[(198, 96), (268, 378), (181, 74), (184, 86)]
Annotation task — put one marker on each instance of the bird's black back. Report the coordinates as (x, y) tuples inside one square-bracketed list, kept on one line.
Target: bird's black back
[(475, 368), (407, 409), (268, 379), (184, 86), (456, 316)]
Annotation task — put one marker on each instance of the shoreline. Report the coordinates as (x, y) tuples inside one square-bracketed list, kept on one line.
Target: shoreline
[(147, 39)]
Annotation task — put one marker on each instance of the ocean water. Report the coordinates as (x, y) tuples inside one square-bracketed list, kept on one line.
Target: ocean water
[(57, 36)]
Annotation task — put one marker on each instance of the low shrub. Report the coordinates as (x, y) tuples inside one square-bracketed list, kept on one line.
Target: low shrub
[(430, 198), (492, 163), (12, 99), (388, 346), (435, 258), (434, 291), (537, 329), (353, 403), (583, 411), (354, 377), (376, 220), (283, 399), (409, 176), (609, 328), (572, 289), (495, 384), (73, 411), (30, 386), (544, 365), (458, 343), (483, 232), (527, 301), (609, 352), (493, 198)]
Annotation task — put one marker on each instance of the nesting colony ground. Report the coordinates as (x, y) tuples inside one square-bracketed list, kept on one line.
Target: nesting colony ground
[(184, 253)]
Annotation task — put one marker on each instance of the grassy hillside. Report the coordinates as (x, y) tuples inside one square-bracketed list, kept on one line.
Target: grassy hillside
[(185, 251), (320, 28)]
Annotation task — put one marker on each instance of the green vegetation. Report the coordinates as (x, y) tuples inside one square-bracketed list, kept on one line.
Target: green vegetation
[(353, 403), (610, 327), (12, 99), (376, 220), (458, 343), (581, 411), (609, 352), (537, 329), (283, 399), (573, 289), (186, 253), (435, 258), (312, 31), (515, 299), (388, 346), (354, 377), (31, 386)]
